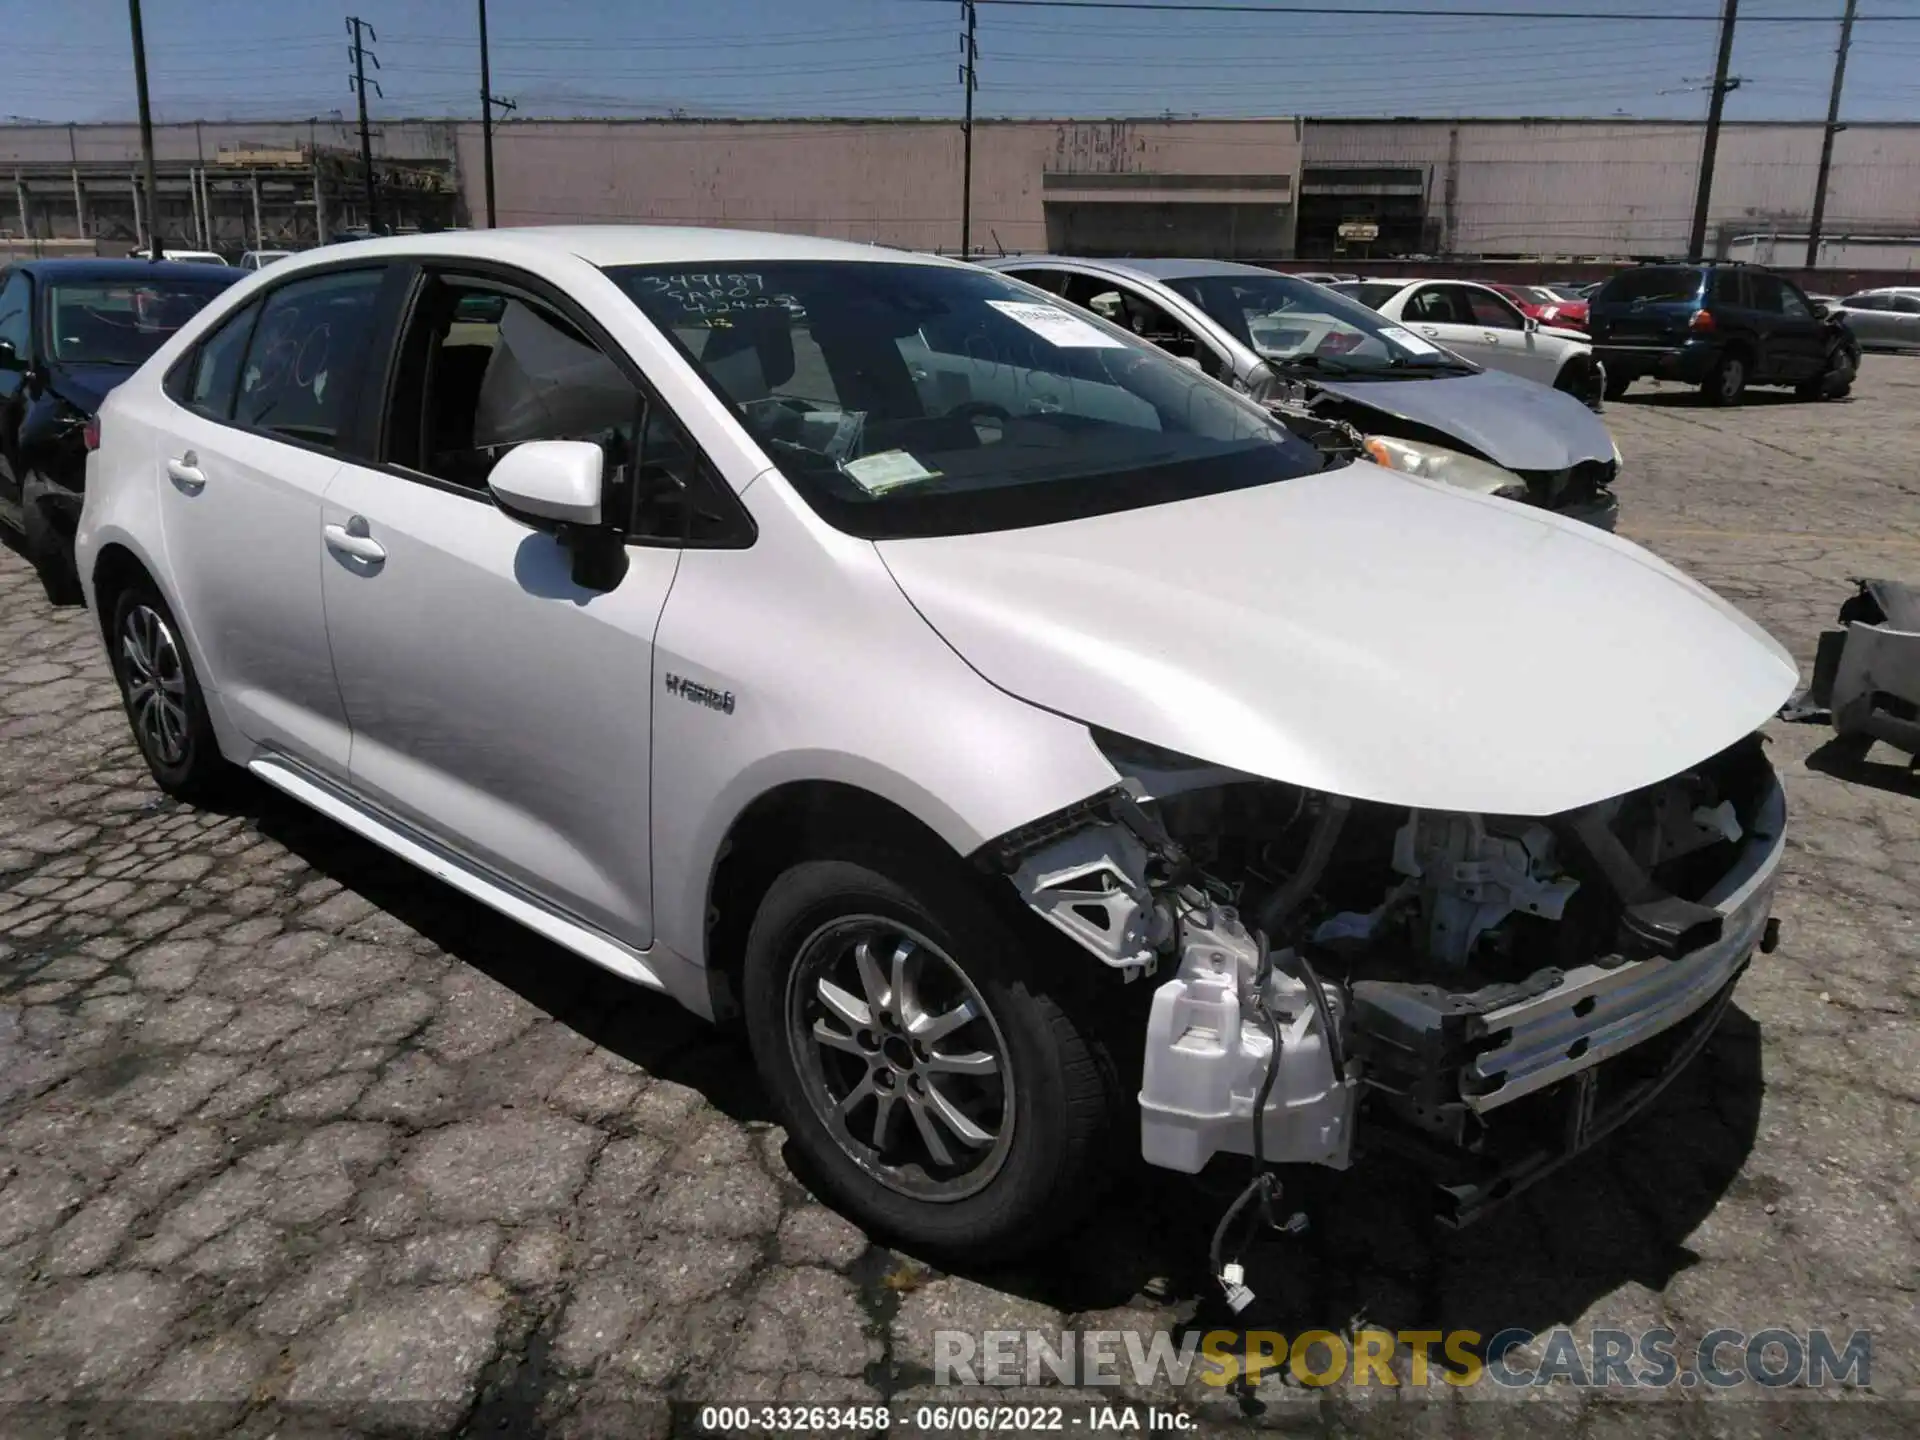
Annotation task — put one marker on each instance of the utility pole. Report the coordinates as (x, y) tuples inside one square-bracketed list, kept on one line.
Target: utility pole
[(487, 101), (360, 82), (146, 130), (1697, 242), (970, 82), (1834, 127)]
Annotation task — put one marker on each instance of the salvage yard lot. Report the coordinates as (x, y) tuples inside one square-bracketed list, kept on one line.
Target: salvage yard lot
[(284, 1124)]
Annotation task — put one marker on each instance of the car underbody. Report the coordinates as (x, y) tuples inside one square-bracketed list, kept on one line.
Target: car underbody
[(1483, 996)]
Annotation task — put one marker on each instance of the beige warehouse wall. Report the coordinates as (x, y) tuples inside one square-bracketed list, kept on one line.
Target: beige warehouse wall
[(887, 182)]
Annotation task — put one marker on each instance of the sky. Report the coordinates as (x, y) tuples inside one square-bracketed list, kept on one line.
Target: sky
[(258, 59)]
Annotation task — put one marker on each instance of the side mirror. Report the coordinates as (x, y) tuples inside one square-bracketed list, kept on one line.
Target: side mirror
[(1191, 362), (9, 357), (1530, 324), (550, 483), (556, 485)]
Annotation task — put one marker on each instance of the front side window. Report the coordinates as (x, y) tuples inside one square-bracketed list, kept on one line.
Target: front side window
[(116, 322), (1285, 319), (913, 399), (15, 316), (1490, 310), (1792, 303), (306, 354), (484, 368)]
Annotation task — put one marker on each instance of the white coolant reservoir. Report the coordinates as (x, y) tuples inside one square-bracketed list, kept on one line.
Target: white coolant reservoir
[(1207, 1052)]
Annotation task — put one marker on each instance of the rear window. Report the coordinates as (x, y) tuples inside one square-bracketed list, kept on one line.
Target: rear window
[(1655, 282), (1373, 296), (113, 322)]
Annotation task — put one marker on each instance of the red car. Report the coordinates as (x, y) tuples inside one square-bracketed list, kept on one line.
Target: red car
[(1537, 302)]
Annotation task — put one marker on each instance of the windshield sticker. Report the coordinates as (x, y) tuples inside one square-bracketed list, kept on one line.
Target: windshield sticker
[(1055, 326), (1408, 341), (890, 469)]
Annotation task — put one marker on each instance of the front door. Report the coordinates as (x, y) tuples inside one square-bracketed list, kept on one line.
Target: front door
[(252, 448), (495, 704), (1516, 346), (1443, 315)]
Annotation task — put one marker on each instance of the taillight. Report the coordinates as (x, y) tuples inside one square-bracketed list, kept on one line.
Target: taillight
[(1702, 320), (91, 434)]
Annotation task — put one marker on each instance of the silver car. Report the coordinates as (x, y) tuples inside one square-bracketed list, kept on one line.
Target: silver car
[(1882, 319), (1416, 406)]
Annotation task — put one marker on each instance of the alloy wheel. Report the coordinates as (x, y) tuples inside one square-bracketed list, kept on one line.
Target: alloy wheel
[(900, 1058), (156, 682)]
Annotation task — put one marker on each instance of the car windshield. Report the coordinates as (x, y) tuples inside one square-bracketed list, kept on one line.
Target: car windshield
[(914, 399), (115, 322), (1285, 319), (1654, 283)]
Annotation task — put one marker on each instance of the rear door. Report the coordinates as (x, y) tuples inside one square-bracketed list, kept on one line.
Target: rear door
[(255, 438), (1784, 347), (496, 704)]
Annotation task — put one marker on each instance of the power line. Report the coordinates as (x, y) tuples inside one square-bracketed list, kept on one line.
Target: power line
[(1422, 12)]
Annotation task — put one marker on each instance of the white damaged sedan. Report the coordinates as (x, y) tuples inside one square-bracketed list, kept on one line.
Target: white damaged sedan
[(1039, 746)]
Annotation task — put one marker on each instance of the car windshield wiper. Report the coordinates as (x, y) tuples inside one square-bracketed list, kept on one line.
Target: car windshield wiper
[(1313, 362)]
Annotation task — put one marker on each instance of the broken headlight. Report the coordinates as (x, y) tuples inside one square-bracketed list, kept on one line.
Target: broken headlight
[(1449, 467)]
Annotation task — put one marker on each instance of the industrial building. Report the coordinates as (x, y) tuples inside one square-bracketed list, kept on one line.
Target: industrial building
[(1279, 188)]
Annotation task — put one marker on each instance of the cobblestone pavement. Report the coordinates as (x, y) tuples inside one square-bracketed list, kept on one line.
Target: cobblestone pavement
[(288, 1131)]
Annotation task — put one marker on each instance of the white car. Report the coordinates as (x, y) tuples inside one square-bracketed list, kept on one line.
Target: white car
[(1039, 746), (1480, 323), (260, 259), (183, 257)]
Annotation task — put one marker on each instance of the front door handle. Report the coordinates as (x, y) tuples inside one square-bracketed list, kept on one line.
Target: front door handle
[(185, 471), (1433, 330), (1492, 336), (352, 541)]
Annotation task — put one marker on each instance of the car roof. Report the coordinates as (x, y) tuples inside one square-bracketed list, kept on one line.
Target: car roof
[(1138, 269), (606, 245), (129, 269)]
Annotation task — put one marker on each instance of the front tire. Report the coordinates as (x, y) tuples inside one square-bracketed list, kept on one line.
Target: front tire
[(162, 696), (49, 550), (947, 1093), (1834, 382), (1726, 383)]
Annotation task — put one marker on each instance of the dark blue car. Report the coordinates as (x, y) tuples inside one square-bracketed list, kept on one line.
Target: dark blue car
[(71, 330)]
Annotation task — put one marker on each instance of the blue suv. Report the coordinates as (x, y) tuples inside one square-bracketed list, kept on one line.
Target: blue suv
[(1722, 327)]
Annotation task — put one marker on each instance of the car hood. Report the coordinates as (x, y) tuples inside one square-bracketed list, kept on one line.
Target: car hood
[(1513, 422), (1362, 632), (85, 386)]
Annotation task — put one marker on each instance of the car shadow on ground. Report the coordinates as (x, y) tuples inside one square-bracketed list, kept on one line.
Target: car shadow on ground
[(1853, 759), (1373, 1253), (1693, 399)]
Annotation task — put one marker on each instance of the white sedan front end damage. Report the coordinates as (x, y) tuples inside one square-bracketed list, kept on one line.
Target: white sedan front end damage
[(1485, 996)]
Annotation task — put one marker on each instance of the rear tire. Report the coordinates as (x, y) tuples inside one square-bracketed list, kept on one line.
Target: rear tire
[(1726, 383), (998, 1100), (162, 696)]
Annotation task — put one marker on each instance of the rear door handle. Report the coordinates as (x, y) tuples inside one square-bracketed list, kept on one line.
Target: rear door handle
[(185, 472), (352, 541)]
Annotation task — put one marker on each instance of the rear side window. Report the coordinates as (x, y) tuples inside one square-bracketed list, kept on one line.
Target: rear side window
[(216, 366), (305, 356), (1653, 283), (1866, 302)]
